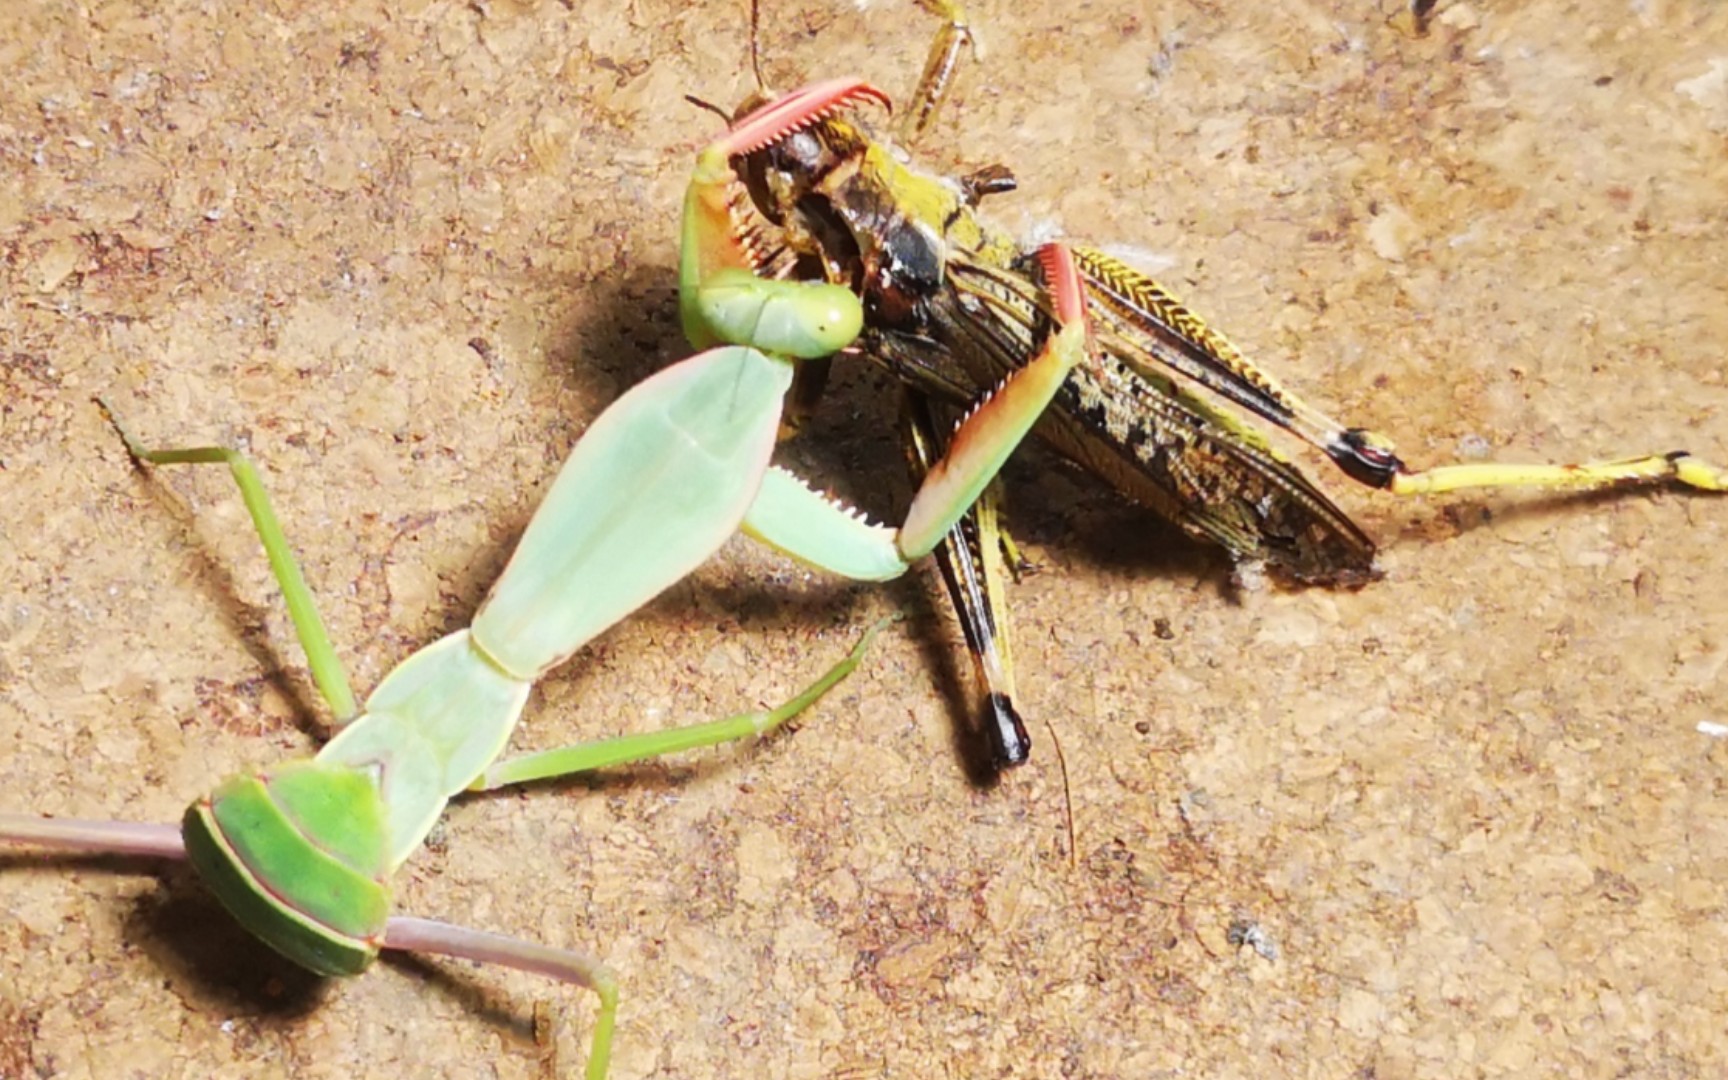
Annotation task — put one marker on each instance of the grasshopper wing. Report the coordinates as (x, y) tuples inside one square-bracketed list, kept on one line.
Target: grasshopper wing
[(1142, 425)]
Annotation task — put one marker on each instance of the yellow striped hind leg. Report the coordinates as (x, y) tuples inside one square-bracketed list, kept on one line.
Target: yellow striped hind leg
[(1369, 458)]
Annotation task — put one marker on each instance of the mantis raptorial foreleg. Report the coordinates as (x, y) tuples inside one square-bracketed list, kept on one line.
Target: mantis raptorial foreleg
[(796, 520), (723, 300)]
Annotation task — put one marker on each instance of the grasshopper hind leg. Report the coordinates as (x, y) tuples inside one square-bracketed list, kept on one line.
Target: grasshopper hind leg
[(971, 558), (1369, 458), (1134, 305), (954, 35)]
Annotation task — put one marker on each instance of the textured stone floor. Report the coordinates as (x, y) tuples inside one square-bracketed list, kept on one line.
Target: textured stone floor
[(1460, 823)]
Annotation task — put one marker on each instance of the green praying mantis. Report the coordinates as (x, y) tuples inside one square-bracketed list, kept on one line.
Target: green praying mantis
[(302, 853)]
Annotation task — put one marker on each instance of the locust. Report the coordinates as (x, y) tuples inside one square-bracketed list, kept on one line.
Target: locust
[(1166, 415), (301, 853)]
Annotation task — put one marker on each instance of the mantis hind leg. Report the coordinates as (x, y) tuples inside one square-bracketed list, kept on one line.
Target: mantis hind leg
[(406, 934), (327, 672), (605, 753)]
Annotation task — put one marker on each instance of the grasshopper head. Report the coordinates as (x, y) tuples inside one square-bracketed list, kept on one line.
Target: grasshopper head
[(786, 153), (828, 201)]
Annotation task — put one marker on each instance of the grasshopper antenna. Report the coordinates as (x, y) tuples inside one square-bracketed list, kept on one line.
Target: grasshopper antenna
[(711, 107), (755, 52)]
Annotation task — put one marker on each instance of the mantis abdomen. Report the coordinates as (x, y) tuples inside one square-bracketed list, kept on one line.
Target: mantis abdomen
[(302, 853)]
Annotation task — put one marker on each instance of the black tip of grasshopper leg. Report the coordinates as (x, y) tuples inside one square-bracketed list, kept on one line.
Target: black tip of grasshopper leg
[(1365, 456), (1009, 743)]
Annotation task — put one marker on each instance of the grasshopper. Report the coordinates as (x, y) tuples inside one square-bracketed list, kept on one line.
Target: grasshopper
[(301, 853), (950, 306)]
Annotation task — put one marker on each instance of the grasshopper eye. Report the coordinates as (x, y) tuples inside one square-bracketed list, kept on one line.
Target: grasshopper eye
[(802, 146)]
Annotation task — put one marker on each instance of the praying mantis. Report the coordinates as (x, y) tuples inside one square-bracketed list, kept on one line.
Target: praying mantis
[(302, 853)]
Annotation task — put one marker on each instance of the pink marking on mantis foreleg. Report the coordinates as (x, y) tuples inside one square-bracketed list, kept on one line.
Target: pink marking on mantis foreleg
[(796, 110), (985, 437)]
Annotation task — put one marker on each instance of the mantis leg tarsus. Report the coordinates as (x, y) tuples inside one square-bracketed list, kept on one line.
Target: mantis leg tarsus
[(327, 672), (642, 746), (134, 448), (807, 697), (407, 934)]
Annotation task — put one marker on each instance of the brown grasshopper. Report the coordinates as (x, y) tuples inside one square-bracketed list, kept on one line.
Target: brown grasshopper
[(952, 307)]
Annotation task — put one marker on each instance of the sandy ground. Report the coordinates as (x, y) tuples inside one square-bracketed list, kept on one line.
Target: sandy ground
[(407, 252)]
